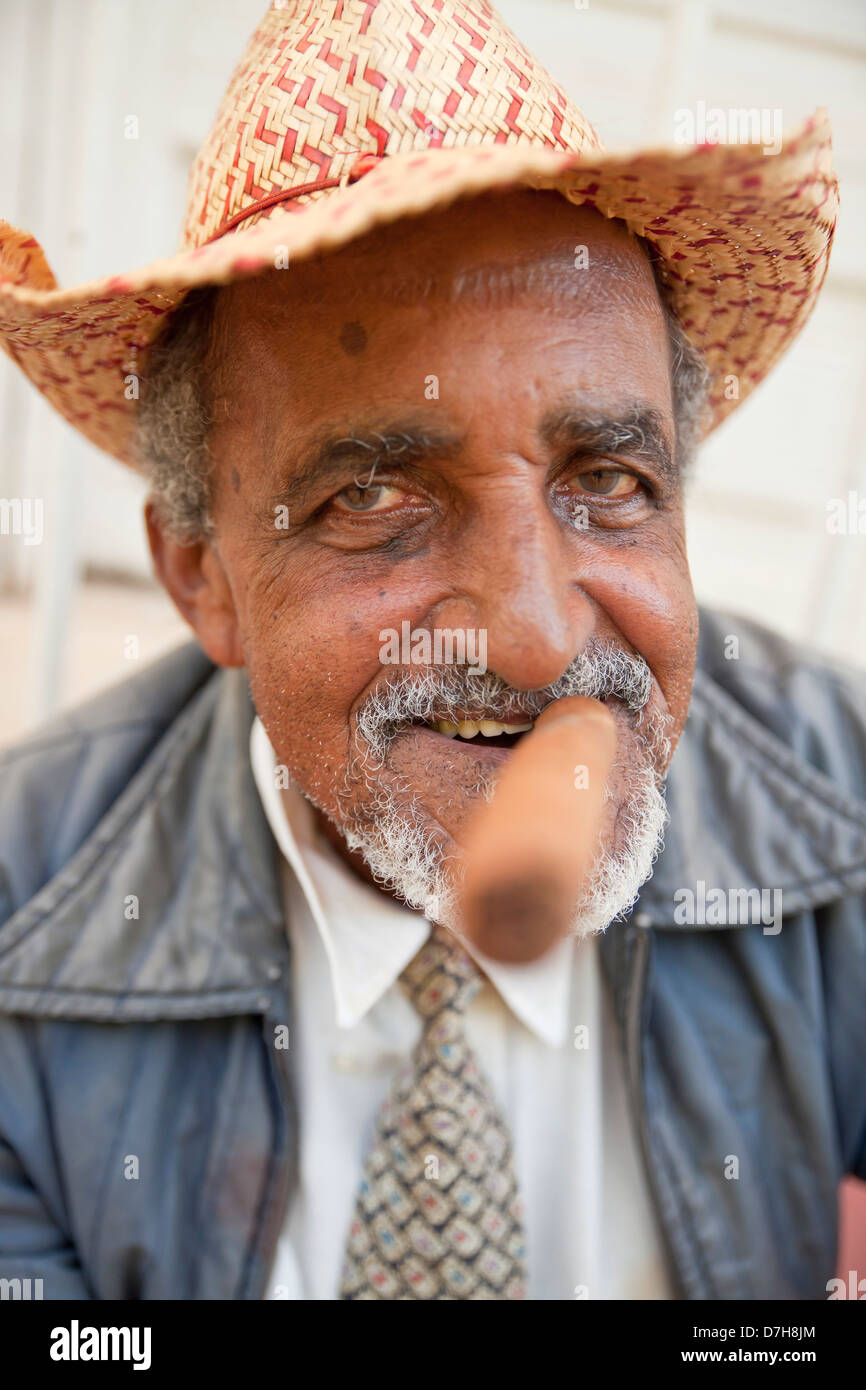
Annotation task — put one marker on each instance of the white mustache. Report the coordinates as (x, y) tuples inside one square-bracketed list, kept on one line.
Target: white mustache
[(601, 670)]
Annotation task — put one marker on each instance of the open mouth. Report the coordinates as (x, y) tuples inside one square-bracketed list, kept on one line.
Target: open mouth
[(481, 731), (489, 733)]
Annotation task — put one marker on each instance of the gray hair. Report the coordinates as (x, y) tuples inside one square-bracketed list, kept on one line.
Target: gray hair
[(175, 416)]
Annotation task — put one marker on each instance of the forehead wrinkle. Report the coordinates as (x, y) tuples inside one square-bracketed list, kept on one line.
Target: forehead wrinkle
[(613, 271), (612, 275)]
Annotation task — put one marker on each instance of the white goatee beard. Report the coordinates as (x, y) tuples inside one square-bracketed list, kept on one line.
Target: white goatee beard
[(405, 855), (404, 848)]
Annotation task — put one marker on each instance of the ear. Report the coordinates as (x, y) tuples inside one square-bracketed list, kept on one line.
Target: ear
[(194, 578)]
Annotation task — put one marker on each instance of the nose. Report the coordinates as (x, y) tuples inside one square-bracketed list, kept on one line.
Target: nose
[(517, 575)]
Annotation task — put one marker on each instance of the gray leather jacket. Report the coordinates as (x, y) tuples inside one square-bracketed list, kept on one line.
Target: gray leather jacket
[(148, 1134)]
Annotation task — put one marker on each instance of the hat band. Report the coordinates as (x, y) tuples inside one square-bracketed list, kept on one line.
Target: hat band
[(362, 165)]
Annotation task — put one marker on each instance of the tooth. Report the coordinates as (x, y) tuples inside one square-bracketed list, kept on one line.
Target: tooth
[(468, 728)]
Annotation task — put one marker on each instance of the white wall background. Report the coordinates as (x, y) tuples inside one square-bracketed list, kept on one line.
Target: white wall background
[(72, 71)]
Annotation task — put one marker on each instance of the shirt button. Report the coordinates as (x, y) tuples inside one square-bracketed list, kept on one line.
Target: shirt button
[(264, 1003), (273, 972), (643, 919)]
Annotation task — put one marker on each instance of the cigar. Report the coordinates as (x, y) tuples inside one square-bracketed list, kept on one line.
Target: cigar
[(528, 852)]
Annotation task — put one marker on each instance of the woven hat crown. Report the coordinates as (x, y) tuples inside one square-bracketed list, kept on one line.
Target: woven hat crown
[(323, 83), (358, 113)]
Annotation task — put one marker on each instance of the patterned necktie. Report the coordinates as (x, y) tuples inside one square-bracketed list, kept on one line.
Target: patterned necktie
[(438, 1215)]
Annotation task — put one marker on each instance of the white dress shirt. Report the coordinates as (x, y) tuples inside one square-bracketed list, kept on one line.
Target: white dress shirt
[(544, 1034)]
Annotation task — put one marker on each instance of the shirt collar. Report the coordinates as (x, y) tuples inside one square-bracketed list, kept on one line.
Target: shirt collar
[(369, 938)]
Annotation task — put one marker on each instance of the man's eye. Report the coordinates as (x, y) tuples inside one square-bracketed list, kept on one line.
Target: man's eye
[(608, 482), (376, 498)]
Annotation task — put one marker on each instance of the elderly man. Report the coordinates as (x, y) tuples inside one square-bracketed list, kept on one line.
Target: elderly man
[(247, 1050)]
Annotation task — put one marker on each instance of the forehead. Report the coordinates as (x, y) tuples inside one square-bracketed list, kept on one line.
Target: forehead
[(486, 252), (556, 300)]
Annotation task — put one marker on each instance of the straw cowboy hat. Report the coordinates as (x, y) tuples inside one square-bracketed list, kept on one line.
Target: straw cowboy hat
[(346, 114)]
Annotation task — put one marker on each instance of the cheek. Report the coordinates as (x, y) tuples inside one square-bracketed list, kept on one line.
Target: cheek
[(311, 643), (647, 594)]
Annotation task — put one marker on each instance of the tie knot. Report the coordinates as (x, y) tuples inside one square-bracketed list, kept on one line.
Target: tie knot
[(441, 976)]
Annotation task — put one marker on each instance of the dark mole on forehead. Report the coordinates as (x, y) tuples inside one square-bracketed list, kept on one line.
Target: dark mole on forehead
[(236, 479), (353, 338)]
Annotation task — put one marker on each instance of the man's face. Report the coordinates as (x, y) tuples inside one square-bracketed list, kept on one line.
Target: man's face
[(462, 458)]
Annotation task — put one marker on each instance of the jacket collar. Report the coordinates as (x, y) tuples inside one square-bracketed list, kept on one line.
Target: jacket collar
[(748, 812), (187, 846)]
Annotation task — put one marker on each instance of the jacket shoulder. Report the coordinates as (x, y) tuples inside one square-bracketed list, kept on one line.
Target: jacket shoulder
[(813, 704), (58, 782)]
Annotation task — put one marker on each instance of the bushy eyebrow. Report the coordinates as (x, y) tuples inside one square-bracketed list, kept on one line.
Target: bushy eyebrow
[(327, 462), (639, 432)]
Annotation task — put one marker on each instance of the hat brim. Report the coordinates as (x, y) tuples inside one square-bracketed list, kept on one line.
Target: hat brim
[(744, 239)]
